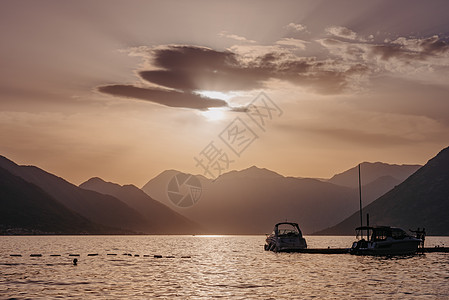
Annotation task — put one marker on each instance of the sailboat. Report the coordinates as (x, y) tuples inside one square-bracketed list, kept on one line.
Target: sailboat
[(382, 240)]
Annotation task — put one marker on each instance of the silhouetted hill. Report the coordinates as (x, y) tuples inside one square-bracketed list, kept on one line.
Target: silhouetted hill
[(422, 200), (156, 188), (371, 172), (163, 219), (251, 201), (27, 209), (98, 208), (251, 172), (377, 188)]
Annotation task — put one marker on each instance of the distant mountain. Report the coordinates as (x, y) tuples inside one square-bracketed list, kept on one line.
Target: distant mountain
[(377, 188), (371, 172), (98, 208), (422, 200), (251, 201), (252, 172), (27, 209), (156, 188), (163, 219)]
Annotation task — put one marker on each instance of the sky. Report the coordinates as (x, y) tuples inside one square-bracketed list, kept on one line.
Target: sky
[(124, 90)]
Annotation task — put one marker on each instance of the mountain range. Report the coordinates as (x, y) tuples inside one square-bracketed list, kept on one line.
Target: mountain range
[(96, 207), (27, 209), (252, 200), (422, 200), (373, 172), (248, 201), (163, 219)]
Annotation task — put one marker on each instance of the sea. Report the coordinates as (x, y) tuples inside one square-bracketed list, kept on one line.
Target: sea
[(210, 267)]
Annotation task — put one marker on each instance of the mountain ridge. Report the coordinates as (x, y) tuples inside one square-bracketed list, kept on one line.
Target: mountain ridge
[(98, 208), (422, 200), (163, 218), (27, 209)]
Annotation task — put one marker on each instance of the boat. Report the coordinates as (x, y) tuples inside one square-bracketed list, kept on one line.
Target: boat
[(286, 237), (384, 240)]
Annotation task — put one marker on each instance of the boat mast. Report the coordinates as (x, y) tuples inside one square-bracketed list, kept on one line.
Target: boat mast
[(360, 198)]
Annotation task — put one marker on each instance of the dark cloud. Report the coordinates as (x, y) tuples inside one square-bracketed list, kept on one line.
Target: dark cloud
[(192, 68), (164, 97), (195, 68), (186, 69), (411, 49), (434, 45)]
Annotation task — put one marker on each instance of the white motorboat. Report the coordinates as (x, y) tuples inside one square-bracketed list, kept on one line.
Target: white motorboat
[(384, 240), (286, 237)]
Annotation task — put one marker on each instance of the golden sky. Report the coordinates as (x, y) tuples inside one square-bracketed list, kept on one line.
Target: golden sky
[(126, 89)]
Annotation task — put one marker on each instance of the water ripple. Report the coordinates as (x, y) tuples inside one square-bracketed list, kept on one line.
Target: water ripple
[(228, 267)]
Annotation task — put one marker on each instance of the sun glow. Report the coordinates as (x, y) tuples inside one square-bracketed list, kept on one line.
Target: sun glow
[(214, 114), (216, 95)]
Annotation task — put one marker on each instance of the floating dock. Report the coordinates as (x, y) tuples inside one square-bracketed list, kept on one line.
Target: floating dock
[(322, 250), (434, 249), (346, 250)]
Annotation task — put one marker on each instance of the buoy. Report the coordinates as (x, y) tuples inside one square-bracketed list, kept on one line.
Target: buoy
[(16, 255), (75, 261), (157, 256), (92, 254), (35, 255)]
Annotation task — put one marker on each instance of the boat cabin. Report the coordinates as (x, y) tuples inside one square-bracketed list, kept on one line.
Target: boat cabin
[(380, 233), (287, 229)]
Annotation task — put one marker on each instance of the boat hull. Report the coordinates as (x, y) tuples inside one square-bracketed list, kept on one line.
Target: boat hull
[(286, 237), (292, 244), (403, 247)]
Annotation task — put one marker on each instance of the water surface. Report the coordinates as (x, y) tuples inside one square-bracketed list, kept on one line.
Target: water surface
[(204, 267)]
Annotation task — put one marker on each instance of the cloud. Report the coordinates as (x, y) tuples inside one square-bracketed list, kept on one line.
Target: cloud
[(297, 27), (179, 72), (342, 32), (186, 69), (412, 49), (165, 97), (403, 56), (235, 37), (292, 42)]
